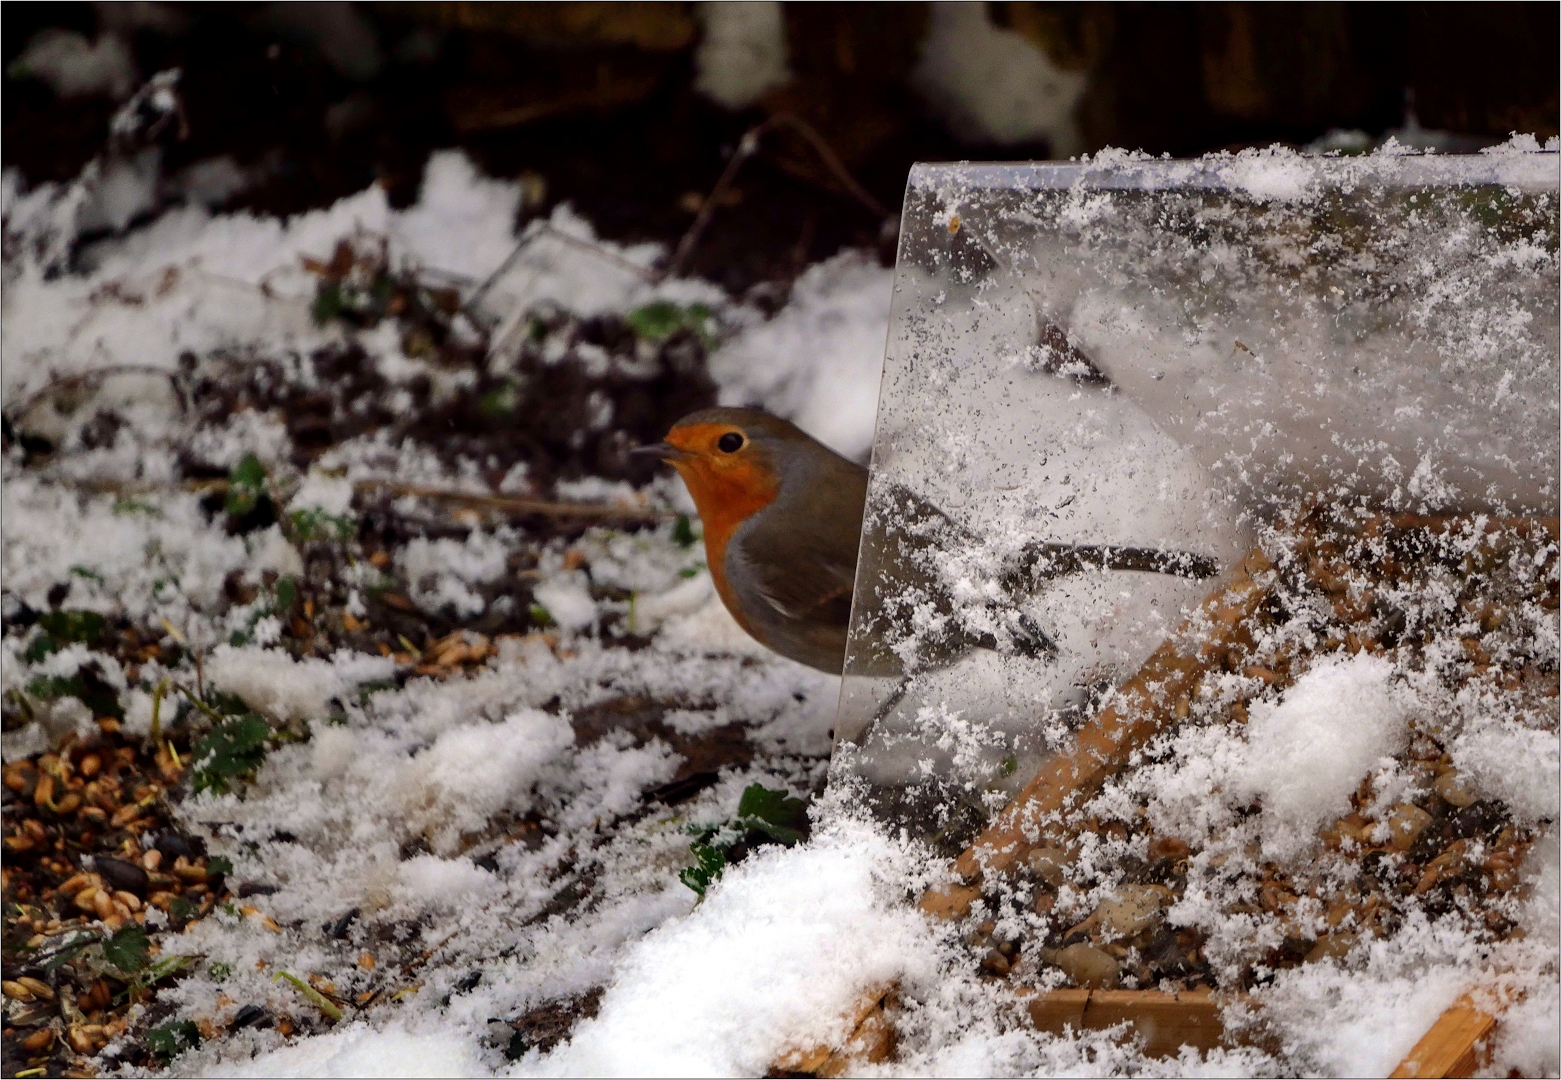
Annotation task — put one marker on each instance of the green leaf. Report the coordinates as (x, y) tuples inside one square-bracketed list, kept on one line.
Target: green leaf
[(182, 910), (218, 970), (87, 573), (327, 301), (774, 807), (318, 525), (500, 402), (233, 749), (773, 813), (67, 625), (171, 1040), (126, 505), (656, 321), (128, 949), (49, 687), (683, 532), (540, 616), (709, 862), (39, 647), (246, 483), (218, 865), (286, 591), (225, 703)]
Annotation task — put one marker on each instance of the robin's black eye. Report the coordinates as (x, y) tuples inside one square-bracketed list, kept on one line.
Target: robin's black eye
[(729, 443)]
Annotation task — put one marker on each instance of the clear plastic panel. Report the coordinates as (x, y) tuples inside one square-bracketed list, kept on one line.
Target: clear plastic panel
[(1163, 356)]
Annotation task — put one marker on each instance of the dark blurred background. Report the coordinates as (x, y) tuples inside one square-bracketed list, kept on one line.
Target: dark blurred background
[(618, 108)]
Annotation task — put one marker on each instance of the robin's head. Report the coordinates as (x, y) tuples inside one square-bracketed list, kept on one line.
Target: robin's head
[(734, 461)]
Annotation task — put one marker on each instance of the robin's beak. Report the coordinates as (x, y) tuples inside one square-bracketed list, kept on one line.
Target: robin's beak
[(662, 450)]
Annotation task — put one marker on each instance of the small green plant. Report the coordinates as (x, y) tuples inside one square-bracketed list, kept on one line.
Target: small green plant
[(233, 749), (499, 402), (128, 950), (659, 320), (171, 1040), (92, 692), (683, 532), (219, 971), (246, 484), (63, 627), (278, 602), (763, 816), (125, 505), (316, 524)]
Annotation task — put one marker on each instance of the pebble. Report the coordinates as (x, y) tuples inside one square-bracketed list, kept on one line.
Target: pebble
[(1048, 864), (1135, 909), (1331, 947), (123, 876), (1405, 825), (1454, 789), (1089, 968), (995, 962), (250, 1016)]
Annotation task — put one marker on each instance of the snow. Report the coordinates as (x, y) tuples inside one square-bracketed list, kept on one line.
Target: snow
[(773, 958), (359, 1050), (1513, 762), (818, 361), (473, 772), (742, 53), (992, 85), (76, 67), (286, 689), (1307, 753)]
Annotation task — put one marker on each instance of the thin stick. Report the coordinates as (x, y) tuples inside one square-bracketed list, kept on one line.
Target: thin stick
[(502, 503), (538, 507), (745, 150), (54, 385)]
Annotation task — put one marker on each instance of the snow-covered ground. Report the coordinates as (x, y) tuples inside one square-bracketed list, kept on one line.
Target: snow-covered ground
[(449, 853)]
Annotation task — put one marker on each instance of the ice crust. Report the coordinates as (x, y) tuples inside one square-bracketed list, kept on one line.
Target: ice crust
[(378, 803)]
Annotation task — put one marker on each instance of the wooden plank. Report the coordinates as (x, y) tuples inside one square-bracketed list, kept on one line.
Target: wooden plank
[(1167, 1022), (1457, 1045), (1058, 1009), (868, 1034)]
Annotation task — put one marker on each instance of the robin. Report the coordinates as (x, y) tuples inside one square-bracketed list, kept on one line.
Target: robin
[(783, 520)]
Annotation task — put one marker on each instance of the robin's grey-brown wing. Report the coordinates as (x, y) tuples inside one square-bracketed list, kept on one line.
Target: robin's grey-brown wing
[(794, 567)]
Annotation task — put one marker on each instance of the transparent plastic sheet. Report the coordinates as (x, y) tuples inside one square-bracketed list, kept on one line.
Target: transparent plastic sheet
[(1156, 360)]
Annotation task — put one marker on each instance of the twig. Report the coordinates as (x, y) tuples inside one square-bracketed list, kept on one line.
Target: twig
[(57, 384), (539, 507), (533, 233), (745, 150)]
